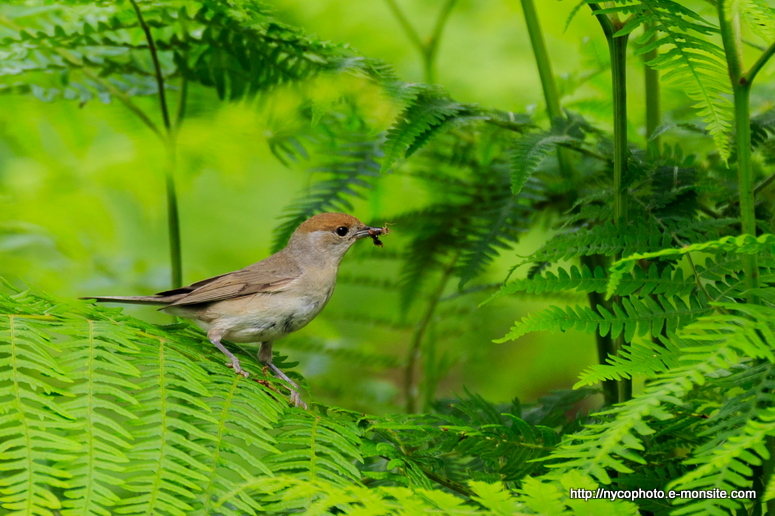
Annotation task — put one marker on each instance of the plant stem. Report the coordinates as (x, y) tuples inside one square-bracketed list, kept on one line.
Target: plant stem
[(173, 217), (731, 35), (411, 33), (182, 103), (605, 344), (432, 48), (552, 98), (741, 87), (617, 47), (419, 333), (750, 75), (569, 173), (428, 50), (653, 108)]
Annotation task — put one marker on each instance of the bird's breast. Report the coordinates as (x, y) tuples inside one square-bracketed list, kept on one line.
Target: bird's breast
[(264, 317)]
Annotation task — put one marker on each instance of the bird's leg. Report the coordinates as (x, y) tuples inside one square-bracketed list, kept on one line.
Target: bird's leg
[(265, 357), (215, 337)]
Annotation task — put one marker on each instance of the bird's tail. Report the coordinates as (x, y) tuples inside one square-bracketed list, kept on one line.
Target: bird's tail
[(135, 300)]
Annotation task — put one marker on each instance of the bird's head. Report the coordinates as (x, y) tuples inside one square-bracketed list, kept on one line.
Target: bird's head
[(330, 235)]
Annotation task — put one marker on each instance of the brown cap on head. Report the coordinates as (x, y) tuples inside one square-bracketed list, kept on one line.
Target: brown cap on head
[(328, 222)]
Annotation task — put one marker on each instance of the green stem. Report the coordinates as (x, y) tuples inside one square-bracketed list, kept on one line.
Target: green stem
[(653, 108), (617, 46), (182, 104), (156, 66), (419, 334), (731, 36), (741, 87), (428, 50), (750, 75), (542, 60), (432, 48), (568, 172), (605, 344), (173, 217), (411, 33), (742, 95), (552, 98)]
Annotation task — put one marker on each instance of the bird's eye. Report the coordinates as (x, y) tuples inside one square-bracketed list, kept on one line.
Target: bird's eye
[(341, 231)]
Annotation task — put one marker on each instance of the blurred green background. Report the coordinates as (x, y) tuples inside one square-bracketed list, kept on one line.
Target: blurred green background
[(83, 212)]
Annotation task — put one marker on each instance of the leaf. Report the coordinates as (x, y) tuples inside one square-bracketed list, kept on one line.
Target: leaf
[(429, 111), (528, 153), (743, 244)]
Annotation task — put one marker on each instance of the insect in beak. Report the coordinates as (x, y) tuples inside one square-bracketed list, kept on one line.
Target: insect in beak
[(374, 233)]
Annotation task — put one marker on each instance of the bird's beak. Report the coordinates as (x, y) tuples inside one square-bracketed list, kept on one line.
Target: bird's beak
[(370, 231)]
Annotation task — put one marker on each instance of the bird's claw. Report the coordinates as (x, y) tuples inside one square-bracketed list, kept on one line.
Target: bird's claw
[(297, 401), (237, 368)]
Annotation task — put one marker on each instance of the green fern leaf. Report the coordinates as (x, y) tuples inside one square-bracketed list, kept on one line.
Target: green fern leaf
[(669, 282), (605, 239), (528, 153), (744, 244), (690, 62), (426, 114), (633, 317), (32, 454), (757, 13), (642, 357), (712, 343)]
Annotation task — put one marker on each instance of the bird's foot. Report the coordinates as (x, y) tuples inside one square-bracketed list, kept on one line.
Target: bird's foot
[(296, 400), (234, 364)]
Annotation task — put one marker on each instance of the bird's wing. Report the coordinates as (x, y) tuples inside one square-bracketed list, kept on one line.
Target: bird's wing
[(269, 275)]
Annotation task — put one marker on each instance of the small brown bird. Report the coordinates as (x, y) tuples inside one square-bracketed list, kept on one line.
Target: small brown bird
[(270, 299)]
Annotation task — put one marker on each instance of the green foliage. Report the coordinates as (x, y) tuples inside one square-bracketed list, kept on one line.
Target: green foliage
[(528, 154), (104, 413), (147, 418), (687, 59), (633, 317), (237, 48), (744, 244), (728, 443), (427, 112), (469, 439)]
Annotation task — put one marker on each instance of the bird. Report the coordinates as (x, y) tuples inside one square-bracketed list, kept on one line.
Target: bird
[(269, 299)]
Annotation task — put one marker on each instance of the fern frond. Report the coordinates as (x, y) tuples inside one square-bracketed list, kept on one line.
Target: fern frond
[(670, 282), (32, 454), (762, 128), (165, 470), (712, 343), (245, 415), (605, 239), (690, 62), (633, 317), (725, 460), (495, 225), (316, 449), (743, 244), (757, 13), (528, 153), (427, 113), (642, 357), (321, 497), (94, 361)]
